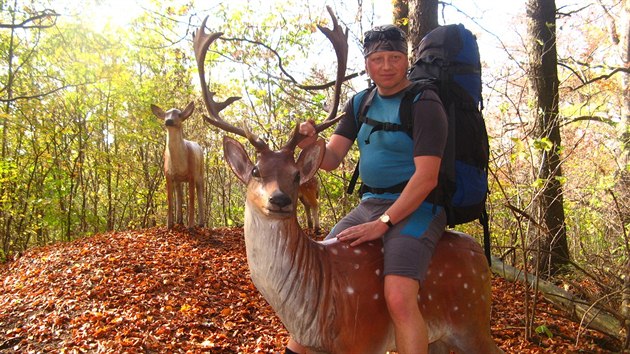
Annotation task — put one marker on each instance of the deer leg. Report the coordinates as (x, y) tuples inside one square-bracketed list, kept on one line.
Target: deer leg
[(178, 203), (473, 343), (316, 217), (439, 347), (307, 211), (200, 205), (169, 201), (190, 207)]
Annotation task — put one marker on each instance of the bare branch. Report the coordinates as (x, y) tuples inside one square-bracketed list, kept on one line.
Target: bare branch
[(35, 21)]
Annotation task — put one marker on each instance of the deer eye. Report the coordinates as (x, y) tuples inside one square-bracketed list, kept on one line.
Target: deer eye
[(296, 179), (256, 172)]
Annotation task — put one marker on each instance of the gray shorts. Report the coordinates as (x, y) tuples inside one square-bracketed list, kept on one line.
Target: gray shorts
[(408, 245)]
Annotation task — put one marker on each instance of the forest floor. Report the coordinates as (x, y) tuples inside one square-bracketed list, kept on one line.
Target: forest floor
[(160, 291)]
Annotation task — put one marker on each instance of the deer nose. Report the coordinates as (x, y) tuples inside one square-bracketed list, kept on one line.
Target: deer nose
[(279, 199), (169, 122)]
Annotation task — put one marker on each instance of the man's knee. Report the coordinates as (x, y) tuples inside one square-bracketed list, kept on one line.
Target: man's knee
[(401, 295)]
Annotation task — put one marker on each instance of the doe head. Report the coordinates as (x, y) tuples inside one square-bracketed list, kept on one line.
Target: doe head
[(173, 117)]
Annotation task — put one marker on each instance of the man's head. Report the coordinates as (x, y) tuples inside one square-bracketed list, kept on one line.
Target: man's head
[(386, 63), (384, 38)]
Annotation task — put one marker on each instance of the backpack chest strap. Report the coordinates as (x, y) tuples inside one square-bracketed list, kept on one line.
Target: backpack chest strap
[(377, 125)]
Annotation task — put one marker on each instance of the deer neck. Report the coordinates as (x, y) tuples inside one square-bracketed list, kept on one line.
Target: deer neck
[(288, 269), (177, 163)]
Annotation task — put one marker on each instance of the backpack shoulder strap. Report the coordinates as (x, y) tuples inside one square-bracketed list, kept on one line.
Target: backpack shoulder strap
[(406, 105), (365, 102), (359, 112)]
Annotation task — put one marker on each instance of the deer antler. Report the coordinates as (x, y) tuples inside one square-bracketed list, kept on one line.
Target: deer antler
[(201, 43), (339, 39)]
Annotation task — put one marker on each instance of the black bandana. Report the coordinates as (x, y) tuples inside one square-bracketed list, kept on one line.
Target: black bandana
[(384, 45)]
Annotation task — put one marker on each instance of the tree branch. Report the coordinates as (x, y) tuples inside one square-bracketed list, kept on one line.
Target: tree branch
[(39, 95), (44, 15), (286, 73)]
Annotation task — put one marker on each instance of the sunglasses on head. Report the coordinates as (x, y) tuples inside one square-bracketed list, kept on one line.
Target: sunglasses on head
[(389, 33)]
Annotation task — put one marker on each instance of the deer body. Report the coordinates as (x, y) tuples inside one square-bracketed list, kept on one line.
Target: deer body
[(183, 163), (330, 295)]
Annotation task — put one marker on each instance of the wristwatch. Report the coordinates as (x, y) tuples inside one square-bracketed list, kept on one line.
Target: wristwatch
[(386, 220)]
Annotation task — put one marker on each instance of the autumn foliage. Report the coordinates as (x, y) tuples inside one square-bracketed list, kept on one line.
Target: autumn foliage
[(160, 291)]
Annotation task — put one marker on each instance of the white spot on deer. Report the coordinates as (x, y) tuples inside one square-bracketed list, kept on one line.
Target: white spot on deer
[(382, 250), (429, 297), (441, 274), (472, 254), (350, 290), (377, 272), (456, 308), (376, 296), (450, 244), (356, 266), (334, 251), (459, 275), (465, 285), (357, 251)]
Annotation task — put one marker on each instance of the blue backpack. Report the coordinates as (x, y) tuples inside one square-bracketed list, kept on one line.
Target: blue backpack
[(449, 64)]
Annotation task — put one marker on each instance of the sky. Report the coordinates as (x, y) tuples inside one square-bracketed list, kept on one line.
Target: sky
[(490, 20), (491, 14)]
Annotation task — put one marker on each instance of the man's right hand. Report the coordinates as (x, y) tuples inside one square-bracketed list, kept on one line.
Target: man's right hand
[(308, 129)]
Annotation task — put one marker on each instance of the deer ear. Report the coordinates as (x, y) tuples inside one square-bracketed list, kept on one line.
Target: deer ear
[(187, 111), (159, 112), (237, 158), (309, 160)]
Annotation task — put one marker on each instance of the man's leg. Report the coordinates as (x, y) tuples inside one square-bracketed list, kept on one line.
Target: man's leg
[(401, 295)]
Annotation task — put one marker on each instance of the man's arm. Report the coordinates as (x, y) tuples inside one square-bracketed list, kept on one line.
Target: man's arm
[(336, 149), (422, 182)]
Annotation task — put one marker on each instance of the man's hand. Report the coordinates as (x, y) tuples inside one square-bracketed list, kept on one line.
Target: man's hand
[(308, 129), (359, 234)]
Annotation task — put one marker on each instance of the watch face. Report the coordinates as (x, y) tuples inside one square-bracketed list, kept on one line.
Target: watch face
[(385, 218)]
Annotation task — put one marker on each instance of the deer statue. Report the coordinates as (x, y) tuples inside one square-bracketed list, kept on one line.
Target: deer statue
[(308, 194), (183, 163), (329, 295)]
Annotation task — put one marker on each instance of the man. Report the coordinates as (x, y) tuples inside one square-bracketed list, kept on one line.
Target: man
[(399, 174)]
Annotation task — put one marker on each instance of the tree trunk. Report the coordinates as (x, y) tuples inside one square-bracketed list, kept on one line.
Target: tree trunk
[(401, 14), (588, 315), (423, 17), (624, 183), (544, 77)]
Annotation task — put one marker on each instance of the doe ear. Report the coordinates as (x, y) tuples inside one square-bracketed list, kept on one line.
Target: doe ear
[(309, 160), (187, 111), (159, 112), (237, 158)]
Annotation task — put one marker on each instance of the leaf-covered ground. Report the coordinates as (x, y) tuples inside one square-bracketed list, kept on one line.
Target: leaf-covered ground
[(159, 291)]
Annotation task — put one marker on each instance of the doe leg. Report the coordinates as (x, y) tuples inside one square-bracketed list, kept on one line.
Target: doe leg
[(191, 205), (178, 202), (169, 201), (201, 215)]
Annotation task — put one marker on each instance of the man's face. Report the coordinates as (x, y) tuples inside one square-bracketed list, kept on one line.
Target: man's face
[(388, 70)]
